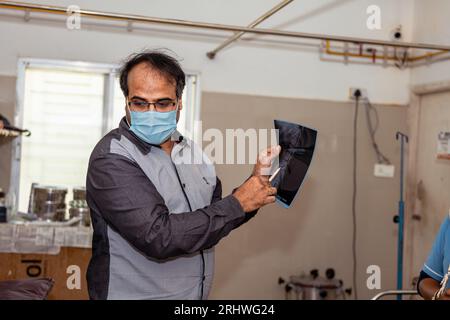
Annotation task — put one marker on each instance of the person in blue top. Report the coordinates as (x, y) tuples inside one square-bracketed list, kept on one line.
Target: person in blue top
[(437, 267)]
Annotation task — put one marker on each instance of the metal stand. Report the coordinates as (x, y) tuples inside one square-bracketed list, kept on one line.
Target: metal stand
[(400, 218), (395, 292)]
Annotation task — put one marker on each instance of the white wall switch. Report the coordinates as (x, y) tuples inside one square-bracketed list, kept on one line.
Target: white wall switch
[(384, 170)]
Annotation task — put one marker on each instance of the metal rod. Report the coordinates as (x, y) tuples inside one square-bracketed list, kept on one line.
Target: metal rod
[(212, 54), (401, 215), (427, 55), (395, 292), (215, 26)]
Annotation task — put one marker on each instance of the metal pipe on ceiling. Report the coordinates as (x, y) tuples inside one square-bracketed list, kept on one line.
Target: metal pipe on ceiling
[(375, 56), (215, 26), (265, 16)]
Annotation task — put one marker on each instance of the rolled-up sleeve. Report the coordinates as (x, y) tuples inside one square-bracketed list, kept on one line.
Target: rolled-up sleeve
[(119, 191)]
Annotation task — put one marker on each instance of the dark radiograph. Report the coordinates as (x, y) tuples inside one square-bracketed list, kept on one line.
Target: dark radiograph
[(297, 148)]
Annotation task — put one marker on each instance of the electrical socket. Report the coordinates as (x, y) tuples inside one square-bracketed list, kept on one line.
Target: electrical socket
[(351, 93), (384, 170)]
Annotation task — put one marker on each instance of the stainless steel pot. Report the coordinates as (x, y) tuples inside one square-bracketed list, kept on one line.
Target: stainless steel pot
[(79, 208), (315, 287), (79, 193), (48, 202)]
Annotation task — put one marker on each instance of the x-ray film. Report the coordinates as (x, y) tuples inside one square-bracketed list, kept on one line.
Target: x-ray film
[(297, 148)]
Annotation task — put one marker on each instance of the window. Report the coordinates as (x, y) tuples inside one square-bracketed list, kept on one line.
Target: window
[(68, 107)]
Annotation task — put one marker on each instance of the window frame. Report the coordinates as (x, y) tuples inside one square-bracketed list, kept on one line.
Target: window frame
[(110, 72)]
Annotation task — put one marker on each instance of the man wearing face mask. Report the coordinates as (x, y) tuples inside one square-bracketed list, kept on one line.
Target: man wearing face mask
[(156, 203)]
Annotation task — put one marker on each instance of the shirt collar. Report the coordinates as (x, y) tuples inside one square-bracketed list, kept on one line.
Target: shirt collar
[(143, 146)]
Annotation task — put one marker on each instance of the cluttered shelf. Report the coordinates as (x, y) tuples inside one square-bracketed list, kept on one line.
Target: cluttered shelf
[(47, 225), (48, 241)]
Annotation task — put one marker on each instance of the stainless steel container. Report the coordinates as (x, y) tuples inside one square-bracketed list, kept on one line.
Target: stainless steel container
[(318, 288), (79, 193), (79, 208), (48, 202), (315, 287)]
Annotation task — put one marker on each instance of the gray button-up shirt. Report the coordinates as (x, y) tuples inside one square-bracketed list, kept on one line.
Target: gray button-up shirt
[(156, 219)]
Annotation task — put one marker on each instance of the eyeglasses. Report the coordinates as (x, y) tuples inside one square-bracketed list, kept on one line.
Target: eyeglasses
[(160, 106)]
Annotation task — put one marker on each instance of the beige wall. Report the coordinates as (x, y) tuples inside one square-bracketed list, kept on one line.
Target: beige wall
[(317, 231), (7, 97)]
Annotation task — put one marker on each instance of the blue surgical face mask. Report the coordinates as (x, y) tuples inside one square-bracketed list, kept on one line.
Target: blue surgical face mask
[(152, 126)]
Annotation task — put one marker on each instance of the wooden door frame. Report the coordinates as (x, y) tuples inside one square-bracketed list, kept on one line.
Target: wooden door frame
[(413, 121)]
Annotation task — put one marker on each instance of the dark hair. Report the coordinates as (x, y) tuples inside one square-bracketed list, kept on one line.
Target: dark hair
[(162, 62)]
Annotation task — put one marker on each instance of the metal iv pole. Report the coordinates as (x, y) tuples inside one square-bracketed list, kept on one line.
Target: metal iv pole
[(400, 218)]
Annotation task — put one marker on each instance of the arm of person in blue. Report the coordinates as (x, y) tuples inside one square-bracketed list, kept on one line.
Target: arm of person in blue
[(436, 268)]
